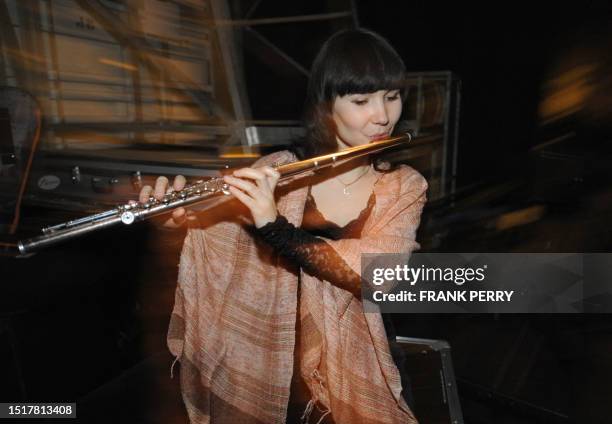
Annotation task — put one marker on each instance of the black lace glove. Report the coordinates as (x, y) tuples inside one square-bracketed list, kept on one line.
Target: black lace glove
[(311, 253)]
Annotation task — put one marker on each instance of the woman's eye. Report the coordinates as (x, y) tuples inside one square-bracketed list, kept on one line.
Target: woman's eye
[(360, 102), (393, 97)]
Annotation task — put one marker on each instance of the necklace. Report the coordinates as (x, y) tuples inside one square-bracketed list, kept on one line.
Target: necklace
[(345, 190)]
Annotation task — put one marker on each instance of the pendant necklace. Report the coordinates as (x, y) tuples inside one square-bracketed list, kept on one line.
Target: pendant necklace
[(345, 190)]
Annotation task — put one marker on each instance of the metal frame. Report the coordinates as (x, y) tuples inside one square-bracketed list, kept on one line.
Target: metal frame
[(126, 34), (249, 24), (447, 377), (233, 69), (450, 125), (139, 49), (122, 23)]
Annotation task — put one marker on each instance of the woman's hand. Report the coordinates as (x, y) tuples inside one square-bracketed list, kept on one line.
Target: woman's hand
[(254, 187), (179, 215)]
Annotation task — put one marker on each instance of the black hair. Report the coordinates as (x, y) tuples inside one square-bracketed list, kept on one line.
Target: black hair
[(349, 62)]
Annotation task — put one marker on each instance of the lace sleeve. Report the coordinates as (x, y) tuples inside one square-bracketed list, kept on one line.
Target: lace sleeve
[(311, 253)]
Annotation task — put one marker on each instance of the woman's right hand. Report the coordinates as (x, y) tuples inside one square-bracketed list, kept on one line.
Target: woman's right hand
[(179, 215)]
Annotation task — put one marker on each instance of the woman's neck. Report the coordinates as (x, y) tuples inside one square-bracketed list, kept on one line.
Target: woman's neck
[(359, 168), (346, 171)]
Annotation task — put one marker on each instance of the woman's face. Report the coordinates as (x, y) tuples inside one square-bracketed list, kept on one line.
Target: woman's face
[(363, 118)]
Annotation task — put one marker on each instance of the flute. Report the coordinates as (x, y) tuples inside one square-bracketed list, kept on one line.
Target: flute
[(197, 192)]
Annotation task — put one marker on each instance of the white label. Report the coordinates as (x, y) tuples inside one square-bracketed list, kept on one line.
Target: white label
[(49, 182)]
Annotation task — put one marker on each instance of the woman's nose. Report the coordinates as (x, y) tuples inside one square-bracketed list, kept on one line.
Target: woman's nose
[(379, 114)]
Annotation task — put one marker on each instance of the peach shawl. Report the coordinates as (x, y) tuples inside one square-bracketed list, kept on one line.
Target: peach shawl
[(233, 324)]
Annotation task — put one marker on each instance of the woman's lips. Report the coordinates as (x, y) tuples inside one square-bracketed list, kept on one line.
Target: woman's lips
[(379, 136)]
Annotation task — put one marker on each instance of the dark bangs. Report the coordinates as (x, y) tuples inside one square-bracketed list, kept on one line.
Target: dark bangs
[(359, 62)]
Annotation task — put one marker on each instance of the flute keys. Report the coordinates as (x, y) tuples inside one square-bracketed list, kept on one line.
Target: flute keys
[(127, 218), (225, 189)]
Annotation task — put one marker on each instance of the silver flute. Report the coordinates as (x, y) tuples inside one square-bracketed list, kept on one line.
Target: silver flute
[(196, 192)]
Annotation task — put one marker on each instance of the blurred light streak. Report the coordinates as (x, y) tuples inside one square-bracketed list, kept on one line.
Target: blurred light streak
[(520, 217), (238, 155), (116, 64), (25, 56), (568, 92)]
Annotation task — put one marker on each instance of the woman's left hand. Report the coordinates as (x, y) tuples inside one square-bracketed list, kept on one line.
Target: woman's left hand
[(255, 188)]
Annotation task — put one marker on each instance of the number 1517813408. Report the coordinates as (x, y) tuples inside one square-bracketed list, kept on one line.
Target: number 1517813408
[(38, 410)]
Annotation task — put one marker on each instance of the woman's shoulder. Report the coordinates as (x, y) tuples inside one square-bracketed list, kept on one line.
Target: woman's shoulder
[(404, 181)]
